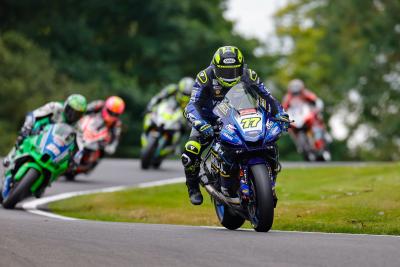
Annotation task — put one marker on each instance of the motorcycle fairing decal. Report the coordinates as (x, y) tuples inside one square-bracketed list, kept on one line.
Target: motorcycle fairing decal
[(250, 122)]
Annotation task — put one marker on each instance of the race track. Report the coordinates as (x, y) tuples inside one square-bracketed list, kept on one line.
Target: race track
[(31, 240)]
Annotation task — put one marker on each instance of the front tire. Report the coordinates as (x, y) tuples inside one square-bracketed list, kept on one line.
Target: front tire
[(148, 152), (226, 217), (22, 189), (263, 214)]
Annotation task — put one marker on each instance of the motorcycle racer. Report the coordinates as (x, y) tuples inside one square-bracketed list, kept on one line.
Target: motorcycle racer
[(181, 92), (69, 112), (297, 89), (176, 97), (299, 95), (111, 109), (227, 68)]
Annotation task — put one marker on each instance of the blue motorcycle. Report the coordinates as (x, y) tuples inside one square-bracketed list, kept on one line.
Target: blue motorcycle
[(245, 133)]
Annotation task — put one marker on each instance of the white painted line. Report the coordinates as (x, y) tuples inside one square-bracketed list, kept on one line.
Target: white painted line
[(33, 205)]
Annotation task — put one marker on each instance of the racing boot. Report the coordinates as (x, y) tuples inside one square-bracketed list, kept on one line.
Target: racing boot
[(196, 198)]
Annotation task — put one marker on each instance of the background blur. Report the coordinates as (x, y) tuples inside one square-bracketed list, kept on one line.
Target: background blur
[(348, 52)]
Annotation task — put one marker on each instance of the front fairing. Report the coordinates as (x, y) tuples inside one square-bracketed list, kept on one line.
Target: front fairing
[(245, 124), (51, 148), (168, 116)]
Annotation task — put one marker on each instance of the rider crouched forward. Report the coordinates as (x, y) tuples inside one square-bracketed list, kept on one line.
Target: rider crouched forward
[(212, 84)]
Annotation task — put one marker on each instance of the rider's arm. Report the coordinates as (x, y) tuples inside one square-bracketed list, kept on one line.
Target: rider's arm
[(313, 99), (165, 93), (275, 106), (95, 106), (193, 109), (115, 135), (46, 111)]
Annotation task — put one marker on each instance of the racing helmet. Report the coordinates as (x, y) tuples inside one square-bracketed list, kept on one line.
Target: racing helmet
[(228, 65), (185, 87), (112, 109), (74, 108), (296, 86)]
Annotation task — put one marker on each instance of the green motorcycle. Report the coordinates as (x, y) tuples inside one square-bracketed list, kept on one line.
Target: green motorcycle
[(39, 160)]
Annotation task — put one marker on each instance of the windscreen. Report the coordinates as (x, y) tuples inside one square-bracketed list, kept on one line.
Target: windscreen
[(64, 132), (239, 98)]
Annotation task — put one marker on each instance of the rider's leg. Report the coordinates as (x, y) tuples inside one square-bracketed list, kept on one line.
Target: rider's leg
[(24, 132), (191, 159)]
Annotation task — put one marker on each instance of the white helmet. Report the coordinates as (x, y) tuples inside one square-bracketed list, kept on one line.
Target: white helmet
[(295, 86)]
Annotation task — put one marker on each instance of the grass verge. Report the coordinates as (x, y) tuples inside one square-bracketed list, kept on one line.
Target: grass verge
[(335, 199)]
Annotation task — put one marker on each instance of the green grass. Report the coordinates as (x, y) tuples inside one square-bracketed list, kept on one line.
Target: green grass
[(334, 199)]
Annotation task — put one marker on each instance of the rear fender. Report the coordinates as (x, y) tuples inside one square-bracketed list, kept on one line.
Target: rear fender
[(22, 171)]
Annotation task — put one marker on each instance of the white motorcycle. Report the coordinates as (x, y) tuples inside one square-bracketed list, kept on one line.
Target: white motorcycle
[(163, 129), (308, 132)]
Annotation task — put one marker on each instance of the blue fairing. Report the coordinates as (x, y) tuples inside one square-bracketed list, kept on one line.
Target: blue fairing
[(245, 124)]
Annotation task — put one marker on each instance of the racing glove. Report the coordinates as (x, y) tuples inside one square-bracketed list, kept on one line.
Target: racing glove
[(205, 129), (284, 120)]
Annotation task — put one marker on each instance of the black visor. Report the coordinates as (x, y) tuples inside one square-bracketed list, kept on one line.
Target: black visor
[(228, 73), (72, 115)]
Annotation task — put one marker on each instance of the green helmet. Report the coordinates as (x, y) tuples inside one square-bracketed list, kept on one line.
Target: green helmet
[(74, 108), (228, 64), (185, 87)]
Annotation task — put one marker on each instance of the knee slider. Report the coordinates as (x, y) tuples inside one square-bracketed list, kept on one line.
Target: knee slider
[(190, 156)]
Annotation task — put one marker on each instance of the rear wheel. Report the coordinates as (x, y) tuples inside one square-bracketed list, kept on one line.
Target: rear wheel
[(226, 217), (148, 152), (21, 189), (261, 212)]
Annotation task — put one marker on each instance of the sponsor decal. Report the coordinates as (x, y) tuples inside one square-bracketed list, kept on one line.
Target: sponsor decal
[(229, 60), (269, 124), (53, 149), (247, 111), (226, 135)]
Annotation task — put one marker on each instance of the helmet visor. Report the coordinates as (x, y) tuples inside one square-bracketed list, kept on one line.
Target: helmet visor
[(228, 74), (72, 115), (112, 113)]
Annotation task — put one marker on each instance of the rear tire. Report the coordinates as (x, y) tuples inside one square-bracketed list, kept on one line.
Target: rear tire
[(22, 189), (148, 153), (264, 199), (226, 217), (70, 177)]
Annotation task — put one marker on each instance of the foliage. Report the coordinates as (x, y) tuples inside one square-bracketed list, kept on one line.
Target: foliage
[(129, 48), (349, 53), (27, 80)]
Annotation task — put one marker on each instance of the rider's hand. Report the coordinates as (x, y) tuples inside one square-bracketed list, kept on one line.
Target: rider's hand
[(205, 129), (283, 118)]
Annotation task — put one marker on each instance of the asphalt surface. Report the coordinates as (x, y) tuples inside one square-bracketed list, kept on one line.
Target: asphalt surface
[(32, 240)]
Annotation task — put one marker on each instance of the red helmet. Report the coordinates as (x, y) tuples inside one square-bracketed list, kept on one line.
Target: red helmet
[(113, 108)]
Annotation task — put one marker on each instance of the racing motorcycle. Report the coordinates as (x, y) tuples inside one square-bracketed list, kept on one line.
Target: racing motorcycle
[(244, 135), (308, 132), (163, 128), (93, 135), (39, 160)]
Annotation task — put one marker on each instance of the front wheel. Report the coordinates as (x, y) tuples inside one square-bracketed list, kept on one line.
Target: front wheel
[(21, 189), (226, 217), (148, 152), (261, 212)]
